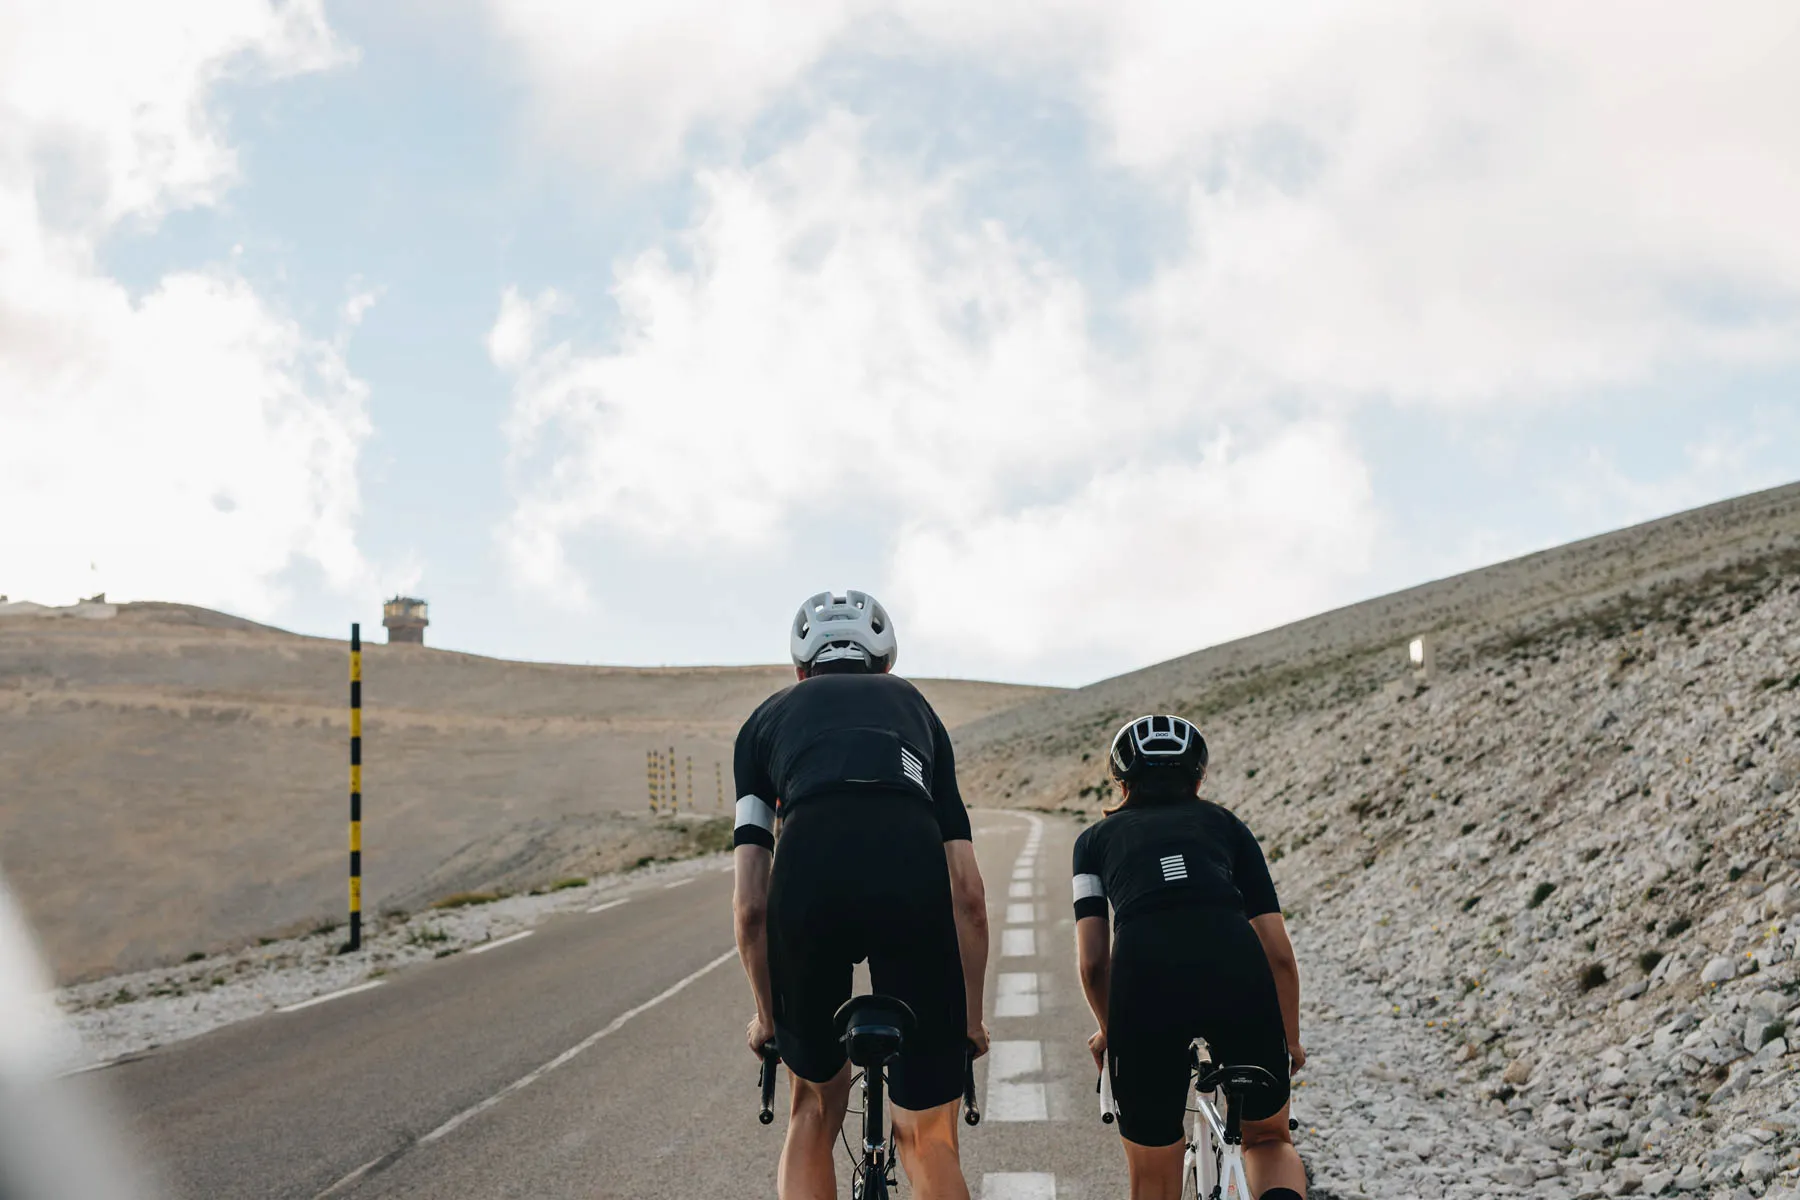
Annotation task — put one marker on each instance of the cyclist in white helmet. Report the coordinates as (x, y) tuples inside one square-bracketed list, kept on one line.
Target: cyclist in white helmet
[(1197, 948), (876, 861)]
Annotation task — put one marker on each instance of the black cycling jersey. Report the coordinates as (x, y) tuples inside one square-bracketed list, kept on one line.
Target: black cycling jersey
[(830, 737), (1183, 854)]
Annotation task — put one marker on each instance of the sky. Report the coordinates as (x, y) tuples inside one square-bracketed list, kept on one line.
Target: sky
[(1084, 333)]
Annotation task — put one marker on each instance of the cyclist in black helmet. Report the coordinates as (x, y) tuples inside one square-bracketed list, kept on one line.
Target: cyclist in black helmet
[(875, 861), (1198, 949)]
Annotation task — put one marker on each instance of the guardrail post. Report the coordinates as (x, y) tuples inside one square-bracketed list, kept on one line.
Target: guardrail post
[(355, 942)]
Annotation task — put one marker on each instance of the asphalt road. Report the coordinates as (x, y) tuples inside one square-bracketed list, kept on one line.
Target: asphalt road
[(603, 1057)]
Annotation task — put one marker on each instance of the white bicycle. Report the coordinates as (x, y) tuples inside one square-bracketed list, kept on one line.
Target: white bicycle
[(1213, 1166)]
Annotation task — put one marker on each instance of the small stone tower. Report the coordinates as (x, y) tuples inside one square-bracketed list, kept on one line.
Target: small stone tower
[(405, 620)]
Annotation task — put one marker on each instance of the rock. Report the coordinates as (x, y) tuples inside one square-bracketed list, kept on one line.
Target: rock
[(1657, 1182), (1518, 1071), (1718, 970), (1758, 1165)]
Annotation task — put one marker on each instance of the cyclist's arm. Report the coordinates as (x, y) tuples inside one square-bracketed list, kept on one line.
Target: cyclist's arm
[(969, 897), (1271, 931), (750, 912), (1093, 952), (753, 842)]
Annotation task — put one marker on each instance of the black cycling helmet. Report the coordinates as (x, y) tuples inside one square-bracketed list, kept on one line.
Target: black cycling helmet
[(1156, 744)]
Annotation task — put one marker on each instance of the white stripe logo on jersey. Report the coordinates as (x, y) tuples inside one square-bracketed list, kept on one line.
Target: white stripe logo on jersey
[(1173, 868), (915, 770)]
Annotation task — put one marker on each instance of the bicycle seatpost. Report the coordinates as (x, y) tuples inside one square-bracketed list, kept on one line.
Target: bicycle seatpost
[(770, 1060), (971, 1109)]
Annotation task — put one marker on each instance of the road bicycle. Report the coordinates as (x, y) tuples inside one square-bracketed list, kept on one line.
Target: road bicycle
[(1212, 1168), (873, 1030)]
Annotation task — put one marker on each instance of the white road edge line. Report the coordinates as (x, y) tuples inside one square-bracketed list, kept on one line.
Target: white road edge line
[(349, 991), (678, 883), (610, 904), (507, 940), (1018, 1185), (617, 1023)]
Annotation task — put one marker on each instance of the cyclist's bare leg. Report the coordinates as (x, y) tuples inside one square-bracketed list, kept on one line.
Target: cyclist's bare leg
[(815, 1118), (927, 1144), (1270, 1159), (1155, 1170)]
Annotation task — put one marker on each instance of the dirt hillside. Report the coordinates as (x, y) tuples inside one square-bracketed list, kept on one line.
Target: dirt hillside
[(1547, 901), (174, 779)]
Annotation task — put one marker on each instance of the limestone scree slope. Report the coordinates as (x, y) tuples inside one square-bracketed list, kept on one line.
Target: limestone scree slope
[(1545, 901)]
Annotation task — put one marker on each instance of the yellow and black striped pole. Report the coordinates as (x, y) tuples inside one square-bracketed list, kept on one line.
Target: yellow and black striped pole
[(719, 783), (673, 783), (355, 942), (690, 782), (650, 778)]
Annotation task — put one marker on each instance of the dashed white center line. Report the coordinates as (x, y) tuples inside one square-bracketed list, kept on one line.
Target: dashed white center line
[(610, 904), (505, 941), (1018, 891), (1010, 1097), (349, 991), (1021, 914), (1016, 994), (678, 883), (1022, 873), (1018, 1185), (1018, 943)]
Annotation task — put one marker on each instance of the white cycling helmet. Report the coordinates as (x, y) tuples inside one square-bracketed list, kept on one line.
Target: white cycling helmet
[(851, 626)]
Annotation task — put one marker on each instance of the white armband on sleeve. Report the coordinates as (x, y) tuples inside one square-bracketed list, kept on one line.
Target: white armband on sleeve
[(1087, 886), (753, 810)]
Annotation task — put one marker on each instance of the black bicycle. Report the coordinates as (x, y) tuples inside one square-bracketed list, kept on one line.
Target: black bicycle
[(873, 1029)]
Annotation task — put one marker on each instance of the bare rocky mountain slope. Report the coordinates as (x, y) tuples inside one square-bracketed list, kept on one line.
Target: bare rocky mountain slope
[(1546, 900), (174, 780)]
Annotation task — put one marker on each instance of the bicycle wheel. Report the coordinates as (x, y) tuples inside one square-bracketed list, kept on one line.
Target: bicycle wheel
[(870, 1184)]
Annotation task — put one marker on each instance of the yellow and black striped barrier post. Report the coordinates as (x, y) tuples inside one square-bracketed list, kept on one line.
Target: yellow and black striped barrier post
[(650, 778), (673, 795), (718, 783), (690, 782), (355, 942)]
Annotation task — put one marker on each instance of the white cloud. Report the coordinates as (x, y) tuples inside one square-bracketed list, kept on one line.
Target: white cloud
[(1482, 206), (191, 442), (1145, 562), (834, 351), (519, 326)]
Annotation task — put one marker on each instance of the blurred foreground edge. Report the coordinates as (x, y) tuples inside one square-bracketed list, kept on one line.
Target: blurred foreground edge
[(57, 1138)]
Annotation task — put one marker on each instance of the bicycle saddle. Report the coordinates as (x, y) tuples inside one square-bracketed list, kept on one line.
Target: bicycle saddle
[(873, 1028), (1238, 1083)]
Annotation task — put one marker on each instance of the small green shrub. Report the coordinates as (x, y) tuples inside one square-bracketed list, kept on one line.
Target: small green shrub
[(1648, 959), (1468, 829), (1771, 1031), (1471, 902), (1540, 893), (563, 885), (1590, 977), (1678, 926), (466, 899), (196, 956)]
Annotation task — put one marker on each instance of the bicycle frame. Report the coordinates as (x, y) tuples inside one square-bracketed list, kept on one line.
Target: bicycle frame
[(1217, 1169)]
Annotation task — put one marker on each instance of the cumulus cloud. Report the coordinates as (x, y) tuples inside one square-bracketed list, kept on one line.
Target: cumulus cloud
[(834, 346), (1479, 208), (1145, 562), (191, 441)]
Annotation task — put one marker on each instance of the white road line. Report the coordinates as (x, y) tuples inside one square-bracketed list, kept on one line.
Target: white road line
[(612, 1027), (1022, 873), (1018, 943), (1009, 1098), (1018, 891), (678, 883), (349, 991), (1016, 994), (1018, 1185), (610, 904), (495, 945), (1021, 914)]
